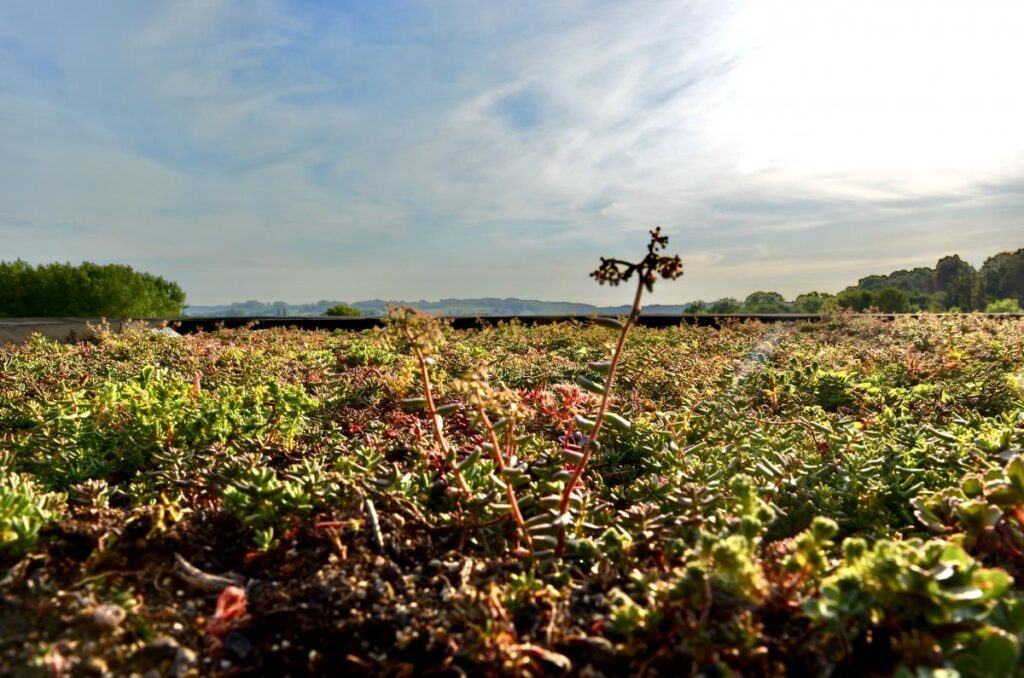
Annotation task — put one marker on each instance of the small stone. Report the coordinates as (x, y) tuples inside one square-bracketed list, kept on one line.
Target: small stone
[(107, 617), (162, 647), (600, 652), (95, 666), (184, 662), (238, 645), (165, 648)]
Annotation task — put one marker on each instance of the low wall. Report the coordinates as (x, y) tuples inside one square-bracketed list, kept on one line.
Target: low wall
[(18, 330)]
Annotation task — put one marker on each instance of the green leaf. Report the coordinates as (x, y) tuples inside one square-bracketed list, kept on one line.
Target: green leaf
[(572, 457), (972, 485), (1015, 472), (414, 403), (588, 385), (448, 408), (473, 458), (618, 422), (977, 514), (583, 423), (995, 656)]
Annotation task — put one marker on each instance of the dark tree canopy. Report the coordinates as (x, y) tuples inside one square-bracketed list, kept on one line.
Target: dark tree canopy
[(855, 299), (86, 290), (952, 285), (765, 302), (1002, 277), (725, 305), (892, 300), (813, 302), (342, 310)]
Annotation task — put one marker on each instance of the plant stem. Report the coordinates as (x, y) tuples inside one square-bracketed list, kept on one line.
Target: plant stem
[(500, 463), (435, 419), (601, 411)]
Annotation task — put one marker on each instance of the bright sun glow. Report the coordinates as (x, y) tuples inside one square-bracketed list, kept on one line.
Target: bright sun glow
[(925, 94)]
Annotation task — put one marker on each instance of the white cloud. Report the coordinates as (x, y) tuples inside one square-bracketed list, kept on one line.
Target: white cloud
[(254, 151)]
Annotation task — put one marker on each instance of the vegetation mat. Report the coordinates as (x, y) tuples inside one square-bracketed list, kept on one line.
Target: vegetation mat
[(834, 498)]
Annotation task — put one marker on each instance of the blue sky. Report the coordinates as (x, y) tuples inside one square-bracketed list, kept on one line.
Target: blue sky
[(351, 150)]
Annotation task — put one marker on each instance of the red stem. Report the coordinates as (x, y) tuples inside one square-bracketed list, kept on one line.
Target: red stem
[(435, 420), (601, 411)]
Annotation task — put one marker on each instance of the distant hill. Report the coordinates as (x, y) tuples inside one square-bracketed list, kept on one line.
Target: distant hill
[(952, 285), (456, 307)]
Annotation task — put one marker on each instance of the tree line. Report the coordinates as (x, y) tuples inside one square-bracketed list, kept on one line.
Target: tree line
[(86, 290), (117, 291), (953, 285)]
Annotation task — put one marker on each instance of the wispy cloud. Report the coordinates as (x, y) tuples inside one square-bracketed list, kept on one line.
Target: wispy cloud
[(307, 150)]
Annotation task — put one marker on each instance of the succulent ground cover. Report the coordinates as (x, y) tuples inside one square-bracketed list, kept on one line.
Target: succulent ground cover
[(843, 497)]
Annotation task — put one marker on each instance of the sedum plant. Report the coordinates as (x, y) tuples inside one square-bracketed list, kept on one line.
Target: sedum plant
[(496, 410), (918, 595), (423, 335), (500, 439), (614, 272), (24, 508)]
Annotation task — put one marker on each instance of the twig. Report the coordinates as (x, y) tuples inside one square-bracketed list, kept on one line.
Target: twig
[(204, 581), (373, 523)]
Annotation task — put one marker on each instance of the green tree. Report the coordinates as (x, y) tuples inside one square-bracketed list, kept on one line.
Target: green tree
[(873, 283), (892, 300), (725, 305), (1004, 306), (699, 307), (343, 310), (16, 288), (765, 302), (855, 299), (87, 290), (813, 302), (918, 281), (947, 269), (958, 282), (1002, 277)]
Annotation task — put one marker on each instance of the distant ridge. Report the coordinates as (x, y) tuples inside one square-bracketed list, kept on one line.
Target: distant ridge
[(952, 285), (454, 307)]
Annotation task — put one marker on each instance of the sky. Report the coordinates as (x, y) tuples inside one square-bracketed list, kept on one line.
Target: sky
[(353, 150)]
